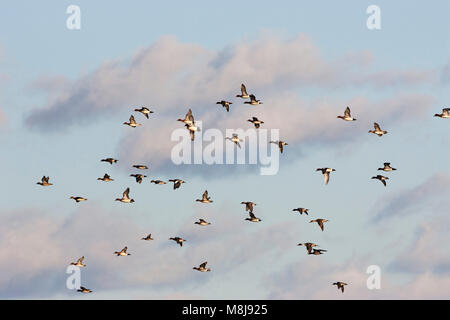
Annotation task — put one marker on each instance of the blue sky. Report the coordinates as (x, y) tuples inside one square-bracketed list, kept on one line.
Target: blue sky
[(314, 60)]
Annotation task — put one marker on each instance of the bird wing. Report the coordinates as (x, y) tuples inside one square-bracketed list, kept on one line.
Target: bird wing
[(124, 250), (192, 134), (446, 111), (252, 97), (205, 195), (243, 90), (126, 193), (251, 215), (347, 112), (376, 126), (203, 265), (80, 260), (320, 222), (326, 177), (280, 145), (132, 119), (384, 182)]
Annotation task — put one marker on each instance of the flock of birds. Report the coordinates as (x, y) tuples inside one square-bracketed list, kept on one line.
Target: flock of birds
[(190, 125)]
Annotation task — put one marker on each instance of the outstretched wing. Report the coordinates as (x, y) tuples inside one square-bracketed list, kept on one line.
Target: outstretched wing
[(203, 265), (132, 119), (126, 193), (326, 177), (244, 90), (376, 126), (347, 112)]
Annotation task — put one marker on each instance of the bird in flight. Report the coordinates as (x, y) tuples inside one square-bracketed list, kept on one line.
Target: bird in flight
[(144, 110), (320, 222), (78, 199), (445, 113), (122, 252), (110, 160), (340, 285), (132, 123), (235, 139), (105, 178), (326, 173), (205, 198), (377, 130), (79, 263), (138, 177), (253, 218), (147, 238), (253, 101), (140, 166), (202, 222), (178, 240), (309, 246), (158, 182), (225, 104), (387, 167), (249, 205), (202, 267), (125, 197), (280, 144), (257, 123), (347, 116), (176, 183), (301, 210), (44, 182), (244, 94), (84, 290), (381, 178)]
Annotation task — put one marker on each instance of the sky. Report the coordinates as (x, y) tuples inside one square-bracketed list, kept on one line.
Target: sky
[(64, 95)]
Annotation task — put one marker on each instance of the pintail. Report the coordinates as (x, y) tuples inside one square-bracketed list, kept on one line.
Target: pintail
[(253, 101), (144, 110), (445, 113), (78, 199), (44, 182), (178, 240), (320, 222), (377, 130), (253, 218), (301, 210), (205, 198), (132, 123), (257, 123), (381, 178), (176, 183), (140, 166), (202, 267), (225, 104), (244, 94), (309, 246), (280, 144), (158, 182), (105, 178), (347, 116), (79, 263), (326, 173), (84, 290), (125, 197), (202, 222), (340, 285), (138, 177), (235, 139), (110, 160), (387, 167), (147, 238), (122, 252)]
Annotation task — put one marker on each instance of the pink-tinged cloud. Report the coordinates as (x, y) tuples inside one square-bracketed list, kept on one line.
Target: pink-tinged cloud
[(170, 75)]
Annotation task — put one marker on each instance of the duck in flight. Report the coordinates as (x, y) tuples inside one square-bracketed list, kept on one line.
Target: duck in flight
[(445, 113), (188, 119), (138, 177), (301, 210), (377, 130), (202, 222), (178, 240), (253, 101), (257, 123), (225, 104), (105, 178), (235, 139), (79, 263), (381, 178), (122, 252), (176, 183), (132, 123), (387, 167), (320, 222), (44, 182), (78, 199), (317, 252), (147, 238), (280, 144), (110, 160), (248, 205), (340, 285), (244, 94), (253, 218), (202, 267), (326, 173), (309, 246), (84, 290), (140, 166), (205, 198), (158, 182), (144, 110), (347, 116), (125, 197)]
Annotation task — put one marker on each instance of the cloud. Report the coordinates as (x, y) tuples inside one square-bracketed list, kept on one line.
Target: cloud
[(429, 196), (36, 247), (173, 75)]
